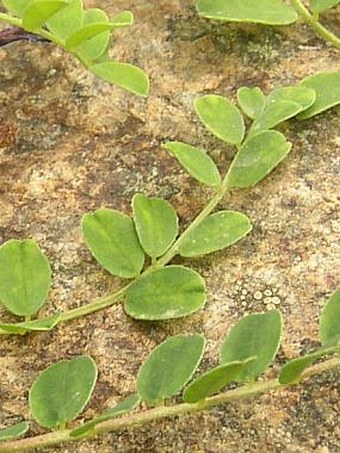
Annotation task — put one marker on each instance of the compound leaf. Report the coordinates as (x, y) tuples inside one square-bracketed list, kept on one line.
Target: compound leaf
[(171, 292), (327, 88), (216, 232), (112, 239), (25, 277), (16, 7), (124, 406), (271, 12), (39, 11), (124, 75), (257, 157), (330, 321), (156, 224), (196, 162), (256, 335), (62, 391), (251, 100), (169, 367), (14, 431), (214, 380), (221, 118)]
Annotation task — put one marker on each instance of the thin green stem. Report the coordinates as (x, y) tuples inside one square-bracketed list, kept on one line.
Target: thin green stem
[(312, 20), (140, 418)]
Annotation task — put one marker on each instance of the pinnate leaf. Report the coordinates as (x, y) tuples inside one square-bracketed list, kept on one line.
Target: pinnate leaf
[(156, 224), (14, 431), (256, 335), (319, 6), (257, 157), (330, 321), (196, 162), (327, 88), (25, 277), (124, 75), (221, 117), (272, 12), (62, 391), (124, 406), (216, 232), (170, 292), (214, 380), (251, 100), (169, 367), (39, 11), (112, 239)]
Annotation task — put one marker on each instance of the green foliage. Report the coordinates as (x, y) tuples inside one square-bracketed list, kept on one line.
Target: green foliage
[(329, 322), (256, 335), (327, 89), (14, 431), (319, 6), (85, 33), (251, 100), (196, 162), (112, 239), (214, 380), (221, 117), (272, 12), (171, 292), (156, 224), (62, 391), (169, 367), (25, 277), (38, 325), (216, 232)]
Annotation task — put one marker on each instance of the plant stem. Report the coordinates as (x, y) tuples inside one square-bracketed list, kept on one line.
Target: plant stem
[(140, 418), (311, 20)]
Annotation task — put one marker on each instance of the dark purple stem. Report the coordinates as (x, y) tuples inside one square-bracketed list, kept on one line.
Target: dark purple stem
[(12, 34)]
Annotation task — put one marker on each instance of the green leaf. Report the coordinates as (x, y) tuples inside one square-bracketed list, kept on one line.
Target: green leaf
[(123, 19), (221, 117), (112, 239), (274, 114), (271, 12), (62, 390), (216, 232), (319, 6), (257, 157), (156, 224), (299, 94), (171, 292), (196, 162), (169, 367), (14, 431), (65, 21), (124, 75), (39, 11), (88, 32), (25, 277), (127, 405), (39, 325), (16, 7), (254, 335), (330, 321), (292, 370), (214, 380), (251, 101), (327, 88)]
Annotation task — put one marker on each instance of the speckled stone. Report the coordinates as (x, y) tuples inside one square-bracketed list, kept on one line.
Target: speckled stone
[(70, 143)]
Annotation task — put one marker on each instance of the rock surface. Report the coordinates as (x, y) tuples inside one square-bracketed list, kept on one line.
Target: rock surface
[(70, 143)]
